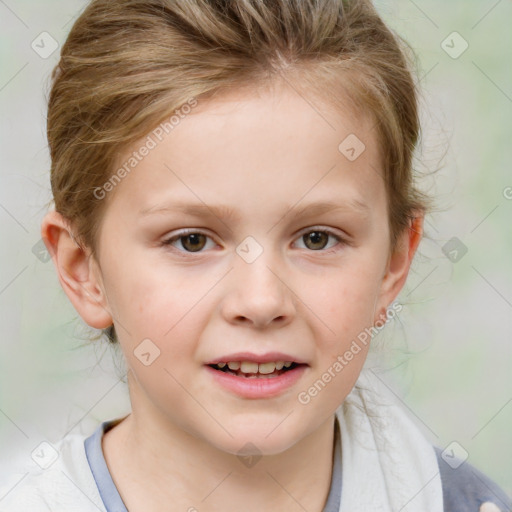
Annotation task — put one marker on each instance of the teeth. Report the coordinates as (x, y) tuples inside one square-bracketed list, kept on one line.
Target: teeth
[(252, 367), (248, 367), (267, 368)]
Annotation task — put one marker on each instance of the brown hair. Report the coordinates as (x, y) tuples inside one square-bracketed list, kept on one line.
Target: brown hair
[(129, 64)]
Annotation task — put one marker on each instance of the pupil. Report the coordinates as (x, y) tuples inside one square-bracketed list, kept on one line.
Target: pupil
[(316, 238), (195, 237)]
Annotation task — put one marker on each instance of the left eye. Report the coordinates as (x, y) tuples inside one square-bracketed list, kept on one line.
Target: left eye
[(315, 239), (195, 241)]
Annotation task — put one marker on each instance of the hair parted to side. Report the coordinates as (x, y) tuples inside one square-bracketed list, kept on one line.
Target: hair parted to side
[(129, 64)]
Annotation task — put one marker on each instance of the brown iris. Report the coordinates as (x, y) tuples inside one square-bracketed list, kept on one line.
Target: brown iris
[(197, 240), (316, 238)]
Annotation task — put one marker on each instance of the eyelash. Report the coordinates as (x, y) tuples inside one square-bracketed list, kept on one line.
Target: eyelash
[(341, 241)]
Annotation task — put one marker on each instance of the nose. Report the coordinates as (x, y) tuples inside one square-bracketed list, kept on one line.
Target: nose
[(259, 294)]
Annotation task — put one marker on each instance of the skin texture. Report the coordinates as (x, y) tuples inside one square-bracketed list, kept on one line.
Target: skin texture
[(266, 156)]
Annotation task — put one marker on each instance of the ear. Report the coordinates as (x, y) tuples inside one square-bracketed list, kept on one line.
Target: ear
[(78, 272), (399, 263)]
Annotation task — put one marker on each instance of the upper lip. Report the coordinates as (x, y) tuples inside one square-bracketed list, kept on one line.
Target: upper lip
[(267, 357)]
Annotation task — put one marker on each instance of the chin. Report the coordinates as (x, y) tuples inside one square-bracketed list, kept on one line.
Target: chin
[(257, 439)]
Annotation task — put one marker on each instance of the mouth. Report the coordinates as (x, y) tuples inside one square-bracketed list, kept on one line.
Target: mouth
[(265, 376), (253, 370)]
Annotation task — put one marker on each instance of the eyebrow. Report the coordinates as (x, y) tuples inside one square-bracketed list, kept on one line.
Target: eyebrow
[(225, 212)]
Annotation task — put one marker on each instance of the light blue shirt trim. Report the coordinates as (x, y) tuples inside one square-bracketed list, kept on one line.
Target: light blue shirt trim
[(94, 453)]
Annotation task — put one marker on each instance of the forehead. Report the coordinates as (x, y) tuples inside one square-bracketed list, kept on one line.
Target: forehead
[(256, 150)]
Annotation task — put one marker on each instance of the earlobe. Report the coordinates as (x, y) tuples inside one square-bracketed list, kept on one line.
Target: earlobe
[(79, 275), (400, 260)]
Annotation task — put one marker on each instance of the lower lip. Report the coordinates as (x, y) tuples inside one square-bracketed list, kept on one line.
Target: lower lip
[(259, 387)]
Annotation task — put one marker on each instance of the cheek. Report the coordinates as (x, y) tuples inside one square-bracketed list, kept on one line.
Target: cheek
[(349, 312), (151, 300), (341, 354), (351, 299)]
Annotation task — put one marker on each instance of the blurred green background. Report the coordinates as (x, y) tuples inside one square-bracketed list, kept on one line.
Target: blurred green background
[(448, 357)]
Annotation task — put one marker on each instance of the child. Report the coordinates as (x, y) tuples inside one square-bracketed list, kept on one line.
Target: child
[(280, 134)]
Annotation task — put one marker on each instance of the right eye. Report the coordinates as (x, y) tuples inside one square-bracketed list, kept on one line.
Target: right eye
[(191, 241)]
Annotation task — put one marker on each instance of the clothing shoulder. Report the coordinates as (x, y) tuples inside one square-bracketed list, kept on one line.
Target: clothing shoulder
[(466, 489), (60, 479)]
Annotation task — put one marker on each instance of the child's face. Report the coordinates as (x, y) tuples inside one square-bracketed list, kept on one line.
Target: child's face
[(208, 297)]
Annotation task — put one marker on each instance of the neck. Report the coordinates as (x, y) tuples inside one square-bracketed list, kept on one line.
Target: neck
[(154, 461)]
